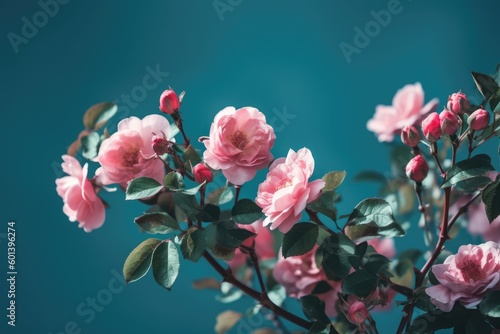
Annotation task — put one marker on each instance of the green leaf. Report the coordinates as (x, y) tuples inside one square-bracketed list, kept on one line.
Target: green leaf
[(220, 196), (218, 251), (300, 239), (98, 114), (210, 213), (370, 176), (142, 187), (230, 236), (194, 244), (173, 181), (370, 218), (429, 323), (491, 200), (322, 328), (90, 145), (190, 155), (187, 203), (477, 325), (486, 85), (325, 204), (333, 180), (139, 260), (157, 222), (464, 172), (314, 309), (360, 283), (245, 211), (336, 255), (166, 264), (490, 305), (193, 191)]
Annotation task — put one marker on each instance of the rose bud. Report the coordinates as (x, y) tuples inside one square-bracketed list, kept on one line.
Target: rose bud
[(358, 313), (417, 169), (431, 127), (410, 136), (169, 102), (202, 173), (449, 122), (479, 119), (160, 145), (458, 103)]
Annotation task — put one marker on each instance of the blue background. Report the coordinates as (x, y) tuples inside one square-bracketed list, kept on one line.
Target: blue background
[(273, 55)]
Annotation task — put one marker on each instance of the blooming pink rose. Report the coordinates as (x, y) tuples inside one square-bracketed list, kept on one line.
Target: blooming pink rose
[(300, 275), (264, 245), (286, 191), (240, 143), (128, 153), (383, 246), (81, 203), (467, 276), (407, 109)]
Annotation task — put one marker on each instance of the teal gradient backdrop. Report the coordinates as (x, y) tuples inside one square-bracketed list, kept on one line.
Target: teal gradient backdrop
[(282, 57)]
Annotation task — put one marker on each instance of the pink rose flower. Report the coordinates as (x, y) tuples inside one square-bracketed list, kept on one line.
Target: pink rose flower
[(81, 203), (264, 245), (286, 191), (240, 143), (467, 276), (407, 109), (128, 153), (299, 275)]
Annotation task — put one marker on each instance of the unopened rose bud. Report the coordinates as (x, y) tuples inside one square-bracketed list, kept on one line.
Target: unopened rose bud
[(431, 127), (169, 102), (410, 136), (160, 145), (202, 173), (358, 313), (458, 103), (479, 119), (449, 122), (417, 169)]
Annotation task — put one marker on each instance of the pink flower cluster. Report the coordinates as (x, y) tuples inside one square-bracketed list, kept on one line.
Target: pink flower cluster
[(467, 276), (300, 275)]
